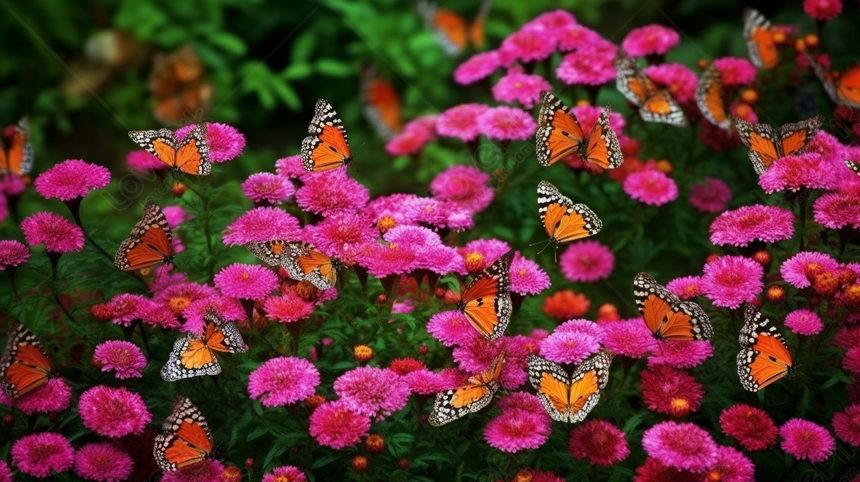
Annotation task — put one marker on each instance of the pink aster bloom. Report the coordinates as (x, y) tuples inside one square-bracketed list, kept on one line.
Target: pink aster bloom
[(12, 254), (506, 124), (71, 179), (552, 20), (262, 224), (477, 67), (344, 236), (291, 167), (851, 360), (591, 64), (525, 45), (461, 121), (599, 441), (751, 426), (478, 354), (680, 445), (12, 185), (678, 80), (268, 187), (331, 192), (804, 322), (283, 381), (439, 259), (209, 470), (574, 37), (451, 328), (287, 308), (800, 269), (40, 454), (519, 401), (5, 472), (415, 135), (246, 281), (123, 357), (228, 308), (113, 412), (838, 209), (426, 382), (750, 223), (520, 87), (337, 425), (655, 471), (181, 293), (681, 354), (175, 216), (383, 260), (125, 308), (847, 424), (666, 389), (628, 338), (587, 115), (731, 466), (465, 186), (287, 473), (822, 9), (806, 440), (57, 233), (52, 397), (728, 281), (527, 277), (371, 391), (686, 288), (735, 71), (581, 325), (104, 462), (651, 187), (157, 315), (516, 430), (711, 197), (489, 249), (142, 160), (225, 142), (569, 347), (586, 261), (794, 172), (650, 40)]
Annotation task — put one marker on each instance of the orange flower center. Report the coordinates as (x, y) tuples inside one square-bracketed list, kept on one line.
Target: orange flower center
[(178, 304)]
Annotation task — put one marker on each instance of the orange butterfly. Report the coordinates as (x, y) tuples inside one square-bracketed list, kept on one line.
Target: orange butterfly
[(185, 438), (190, 156), (487, 301), (453, 32), (150, 242), (24, 366), (569, 398), (16, 152), (563, 220), (381, 104), (710, 98), (767, 143), (666, 315), (759, 37), (194, 356), (655, 104), (560, 135), (844, 90), (327, 147), (300, 260), (764, 357), (470, 398), (176, 82)]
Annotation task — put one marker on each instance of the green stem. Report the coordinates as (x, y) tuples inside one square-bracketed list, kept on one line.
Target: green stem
[(145, 338), (62, 307), (10, 272)]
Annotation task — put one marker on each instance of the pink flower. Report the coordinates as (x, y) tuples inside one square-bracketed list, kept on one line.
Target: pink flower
[(711, 197), (628, 338), (71, 179), (686, 288), (40, 454), (451, 328), (681, 354), (52, 397), (283, 381), (12, 186), (520, 87), (669, 390), (344, 236), (246, 281), (728, 281), (569, 346), (651, 187), (587, 115), (370, 391), (477, 67), (331, 192), (851, 360), (735, 71), (425, 382), (287, 473), (415, 135), (822, 9), (847, 424), (180, 294), (209, 470), (225, 142), (262, 224), (12, 254), (461, 121), (103, 462), (591, 64), (113, 412), (465, 186), (680, 445), (678, 80), (515, 430), (124, 357), (519, 401), (527, 277), (573, 37), (156, 315), (586, 261), (838, 209), (337, 425), (650, 40), (750, 223), (551, 21), (752, 427), (506, 124), (384, 260), (804, 322), (142, 160), (287, 308), (794, 172), (268, 187), (489, 249), (291, 167), (800, 269), (731, 466), (5, 472), (525, 45), (125, 308), (655, 471), (599, 441), (175, 216), (227, 308), (54, 231), (806, 441), (477, 355)]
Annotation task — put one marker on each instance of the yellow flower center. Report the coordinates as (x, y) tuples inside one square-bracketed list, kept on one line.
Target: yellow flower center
[(178, 304), (246, 276), (518, 85)]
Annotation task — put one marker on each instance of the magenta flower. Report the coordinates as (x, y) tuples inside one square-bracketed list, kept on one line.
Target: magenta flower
[(12, 186), (628, 338), (287, 473), (461, 121), (157, 316), (728, 281), (477, 67), (465, 186), (283, 381), (246, 281), (262, 224), (123, 357), (227, 308), (791, 173), (287, 308), (752, 427), (650, 40), (838, 209), (142, 160), (520, 87), (651, 187), (573, 37), (806, 441), (374, 392), (680, 445), (71, 179), (54, 231), (52, 397), (666, 389), (5, 472), (415, 135), (686, 288), (551, 21), (383, 260), (804, 322), (731, 466), (104, 462), (126, 308), (209, 470), (711, 197), (113, 412), (268, 187), (330, 193), (337, 425), (426, 382), (40, 454), (181, 293), (587, 115), (4, 208), (590, 64), (225, 142), (735, 72), (12, 254), (519, 401), (678, 80), (175, 216), (681, 354), (515, 430), (599, 441), (525, 45), (750, 223), (527, 277), (800, 269), (451, 328), (586, 261), (822, 9), (506, 124), (344, 236), (475, 356), (291, 167), (847, 424), (569, 346)]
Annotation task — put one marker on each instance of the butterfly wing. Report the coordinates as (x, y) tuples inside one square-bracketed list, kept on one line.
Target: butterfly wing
[(848, 90), (190, 357), (709, 98), (764, 357), (759, 39), (794, 137), (487, 301), (563, 220), (470, 398), (450, 29), (853, 166), (222, 335), (761, 140), (586, 381), (24, 366), (307, 264), (381, 104), (655, 105), (602, 148), (327, 147), (272, 253), (476, 29), (192, 154), (160, 144), (150, 242), (185, 437), (17, 157), (553, 387), (661, 107), (666, 315), (559, 133)]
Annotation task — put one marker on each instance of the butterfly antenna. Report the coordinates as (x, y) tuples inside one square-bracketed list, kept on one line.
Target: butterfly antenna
[(545, 244)]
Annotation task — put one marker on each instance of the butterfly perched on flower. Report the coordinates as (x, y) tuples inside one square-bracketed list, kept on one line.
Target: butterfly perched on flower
[(469, 398), (188, 156), (16, 151), (711, 99), (844, 90), (563, 220), (452, 31), (177, 83), (381, 103), (486, 302), (25, 365), (768, 143), (559, 135), (569, 398), (185, 438), (655, 104), (666, 315), (150, 242), (327, 146), (301, 261), (764, 357), (759, 38), (853, 166), (194, 356)]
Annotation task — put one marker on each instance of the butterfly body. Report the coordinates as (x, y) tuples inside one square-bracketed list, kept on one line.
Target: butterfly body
[(710, 98), (185, 438), (759, 38), (24, 366), (559, 135), (569, 398), (666, 315), (150, 242), (563, 220), (487, 300), (188, 156), (194, 356), (327, 147), (301, 261), (768, 143), (764, 357), (655, 104), (469, 398)]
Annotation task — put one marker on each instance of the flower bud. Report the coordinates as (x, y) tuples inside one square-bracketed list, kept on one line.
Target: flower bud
[(374, 444), (360, 463), (362, 353), (178, 189), (775, 294)]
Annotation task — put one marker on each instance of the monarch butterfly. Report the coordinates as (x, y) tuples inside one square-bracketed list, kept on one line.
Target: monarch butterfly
[(563, 220), (666, 315), (381, 103), (194, 356), (764, 357), (185, 438), (176, 82), (655, 104), (710, 97), (150, 242), (452, 31), (487, 301), (24, 366), (16, 152), (768, 143), (189, 156), (853, 166), (300, 260), (569, 398), (327, 147), (844, 90), (759, 38), (470, 398), (560, 135)]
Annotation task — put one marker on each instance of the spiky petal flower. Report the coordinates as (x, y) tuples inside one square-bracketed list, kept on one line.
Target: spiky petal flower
[(728, 281), (806, 440), (113, 412), (599, 441), (123, 357), (40, 454), (746, 224), (681, 445), (57, 233), (71, 179), (337, 425), (283, 381), (103, 462)]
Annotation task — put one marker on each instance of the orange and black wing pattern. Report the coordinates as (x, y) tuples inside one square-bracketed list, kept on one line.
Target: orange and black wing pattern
[(273, 253), (150, 242), (768, 143), (185, 438), (487, 301), (177, 84), (189, 156), (710, 98), (853, 166), (843, 90), (471, 397), (569, 398), (666, 315), (453, 32), (305, 263), (764, 357), (758, 35), (381, 104), (560, 135), (655, 104), (327, 146), (563, 220), (16, 151), (24, 366), (194, 356)]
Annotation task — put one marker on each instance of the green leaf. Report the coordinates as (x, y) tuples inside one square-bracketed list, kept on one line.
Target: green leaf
[(228, 42), (297, 70), (334, 68), (322, 461)]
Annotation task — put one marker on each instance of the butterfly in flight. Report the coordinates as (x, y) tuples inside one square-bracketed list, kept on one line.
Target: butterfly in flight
[(764, 357), (16, 151), (563, 220), (150, 242), (759, 38), (24, 366), (194, 356), (569, 398), (559, 135), (452, 31), (381, 103), (177, 83), (844, 90), (768, 143), (666, 315), (487, 300), (710, 98), (185, 438), (327, 146), (301, 261), (655, 104), (470, 398), (188, 156)]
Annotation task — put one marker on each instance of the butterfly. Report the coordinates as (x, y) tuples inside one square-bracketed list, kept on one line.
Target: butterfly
[(185, 438), (563, 220), (176, 82), (759, 38), (327, 147), (666, 315), (768, 143), (300, 260), (487, 301), (24, 366), (560, 135), (452, 31), (569, 398), (470, 398), (16, 152), (853, 166), (150, 242), (381, 104), (655, 104), (710, 97), (194, 356), (764, 357), (188, 156), (844, 90)]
